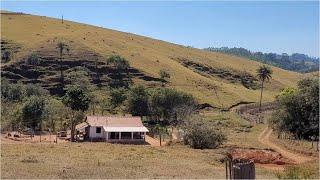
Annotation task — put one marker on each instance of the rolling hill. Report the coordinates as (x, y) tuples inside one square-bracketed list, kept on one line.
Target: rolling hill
[(214, 78)]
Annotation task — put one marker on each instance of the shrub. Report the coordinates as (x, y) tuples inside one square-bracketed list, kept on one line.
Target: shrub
[(164, 74), (6, 56), (199, 135), (33, 60), (118, 62)]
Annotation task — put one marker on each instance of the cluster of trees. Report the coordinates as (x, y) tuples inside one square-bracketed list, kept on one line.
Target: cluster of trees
[(299, 110), (161, 105), (29, 106), (295, 62)]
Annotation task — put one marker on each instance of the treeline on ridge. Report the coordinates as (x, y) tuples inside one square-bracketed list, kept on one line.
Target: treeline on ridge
[(294, 62)]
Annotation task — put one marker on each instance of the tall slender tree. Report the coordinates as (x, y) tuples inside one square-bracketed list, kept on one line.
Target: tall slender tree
[(264, 73), (78, 100), (62, 47)]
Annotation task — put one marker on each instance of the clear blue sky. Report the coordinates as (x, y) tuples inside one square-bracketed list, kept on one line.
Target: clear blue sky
[(259, 26)]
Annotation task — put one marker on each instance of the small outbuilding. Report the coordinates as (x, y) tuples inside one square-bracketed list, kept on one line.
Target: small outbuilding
[(113, 129)]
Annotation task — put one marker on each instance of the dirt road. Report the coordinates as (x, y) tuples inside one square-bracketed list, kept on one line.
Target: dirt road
[(297, 158)]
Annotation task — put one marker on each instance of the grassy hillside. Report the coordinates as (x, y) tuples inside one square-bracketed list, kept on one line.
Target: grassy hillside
[(192, 70)]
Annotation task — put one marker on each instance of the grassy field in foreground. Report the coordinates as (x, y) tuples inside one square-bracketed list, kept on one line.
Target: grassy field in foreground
[(102, 160)]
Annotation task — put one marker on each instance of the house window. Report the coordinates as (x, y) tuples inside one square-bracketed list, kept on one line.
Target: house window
[(98, 130), (114, 135)]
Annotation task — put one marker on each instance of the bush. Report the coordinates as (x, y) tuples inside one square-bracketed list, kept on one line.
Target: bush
[(199, 135), (33, 60), (118, 62), (6, 56)]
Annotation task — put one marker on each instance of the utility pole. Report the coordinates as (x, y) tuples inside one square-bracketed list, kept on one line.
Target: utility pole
[(62, 19)]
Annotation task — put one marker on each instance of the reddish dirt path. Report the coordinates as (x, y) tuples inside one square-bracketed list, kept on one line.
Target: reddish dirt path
[(154, 142), (297, 158)]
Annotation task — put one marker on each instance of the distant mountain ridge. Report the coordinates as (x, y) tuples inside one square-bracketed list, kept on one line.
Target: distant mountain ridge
[(295, 62)]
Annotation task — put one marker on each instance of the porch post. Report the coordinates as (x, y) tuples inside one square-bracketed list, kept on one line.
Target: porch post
[(144, 136), (107, 136), (119, 135), (131, 135)]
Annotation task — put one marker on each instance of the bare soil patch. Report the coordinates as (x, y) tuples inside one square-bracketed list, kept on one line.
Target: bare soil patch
[(261, 156)]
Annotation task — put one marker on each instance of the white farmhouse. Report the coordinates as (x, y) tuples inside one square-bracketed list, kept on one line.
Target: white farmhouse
[(113, 129)]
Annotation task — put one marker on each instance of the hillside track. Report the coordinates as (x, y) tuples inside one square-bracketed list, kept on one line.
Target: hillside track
[(264, 138)]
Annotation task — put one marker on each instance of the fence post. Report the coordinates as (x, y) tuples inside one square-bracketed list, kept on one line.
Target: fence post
[(226, 168)]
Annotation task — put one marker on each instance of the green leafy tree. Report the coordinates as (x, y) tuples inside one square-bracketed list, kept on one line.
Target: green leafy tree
[(117, 97), (12, 92), (77, 100), (33, 112), (264, 74), (62, 48), (165, 104), (138, 101), (56, 114), (299, 110)]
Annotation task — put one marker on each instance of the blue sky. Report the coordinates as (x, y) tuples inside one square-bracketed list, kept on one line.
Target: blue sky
[(259, 26)]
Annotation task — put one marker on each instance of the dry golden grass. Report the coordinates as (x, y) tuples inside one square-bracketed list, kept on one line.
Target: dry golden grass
[(146, 54), (102, 160)]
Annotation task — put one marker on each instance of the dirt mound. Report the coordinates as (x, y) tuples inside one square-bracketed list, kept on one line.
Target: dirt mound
[(262, 156)]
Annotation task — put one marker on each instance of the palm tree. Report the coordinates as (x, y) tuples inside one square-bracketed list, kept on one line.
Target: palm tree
[(62, 47), (263, 73)]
